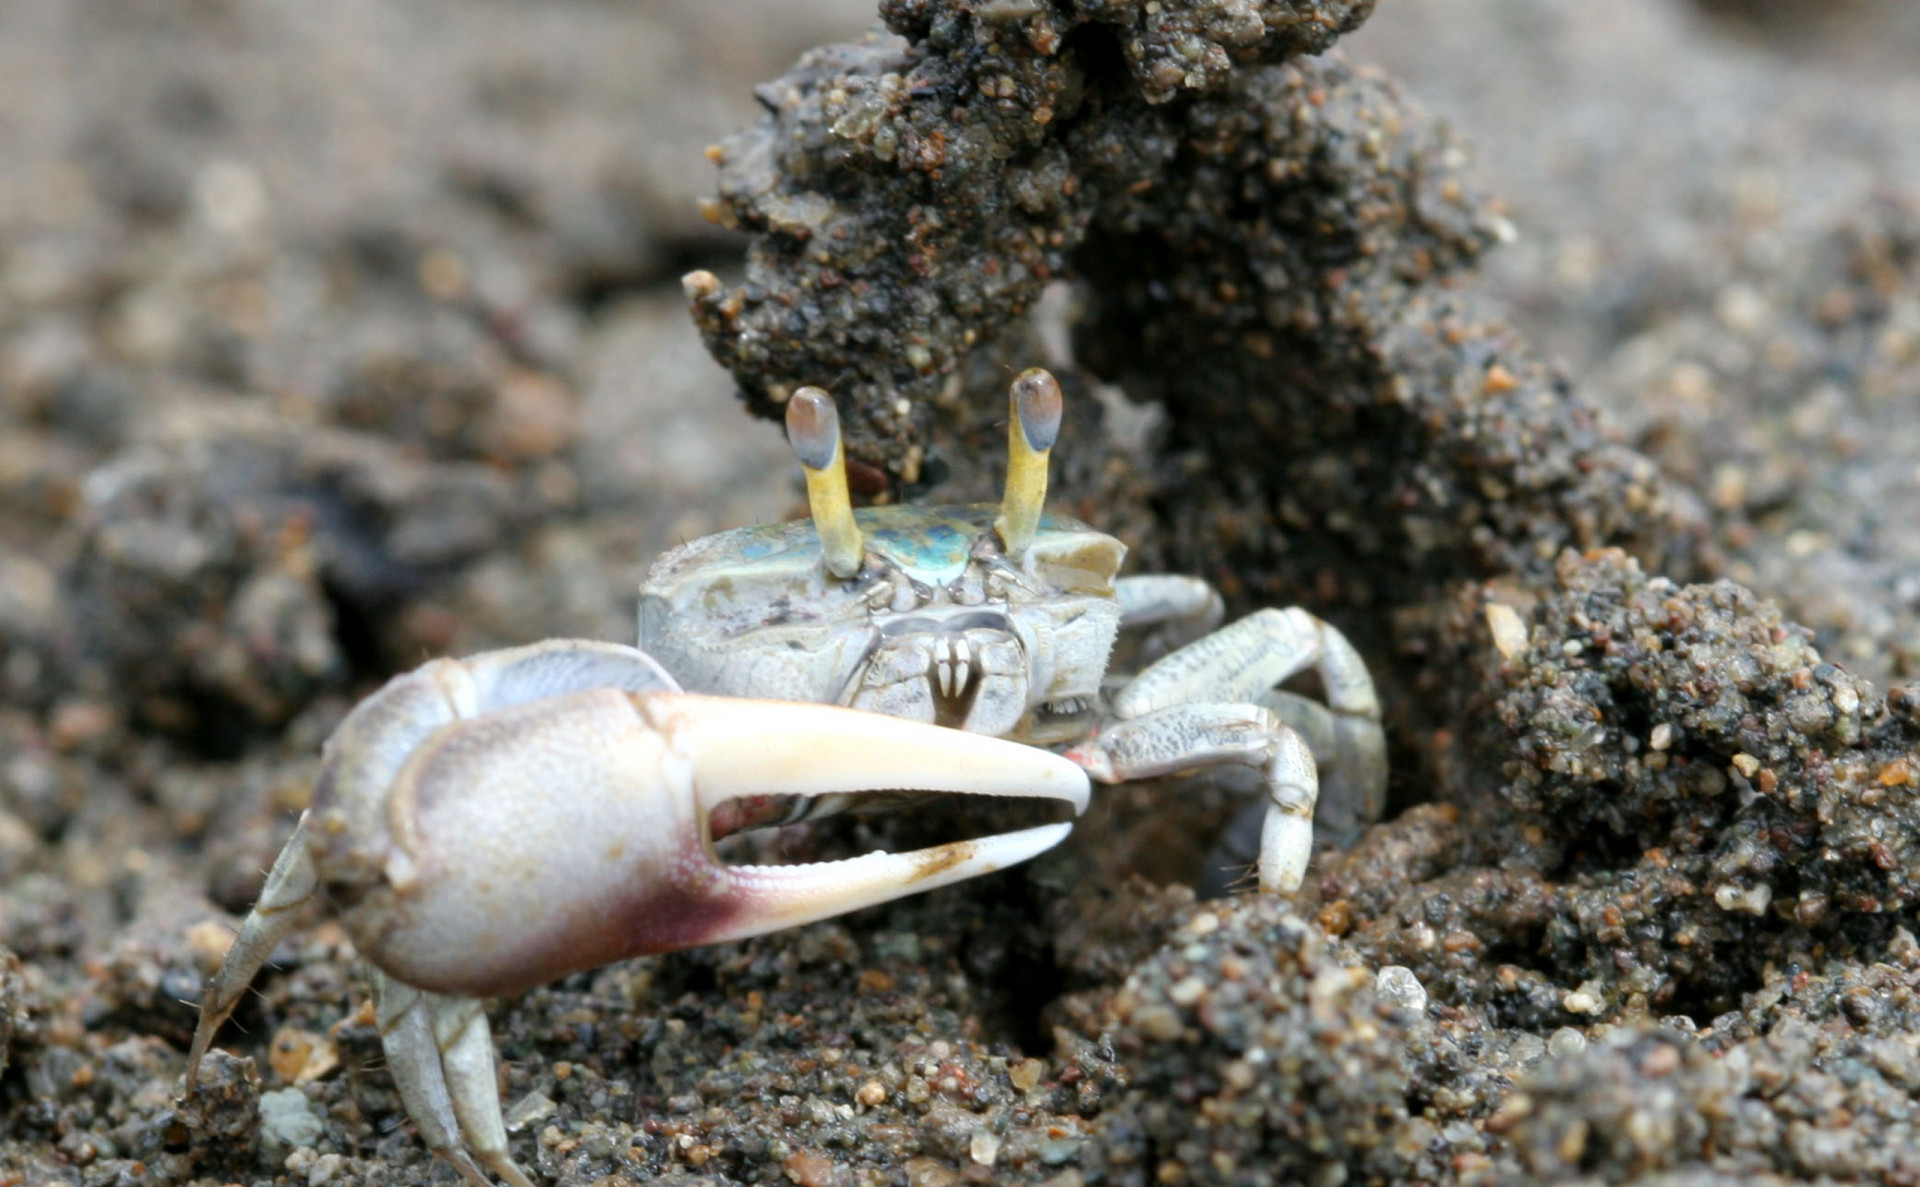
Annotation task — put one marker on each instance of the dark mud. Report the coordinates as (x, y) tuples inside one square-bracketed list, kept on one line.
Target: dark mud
[(283, 412)]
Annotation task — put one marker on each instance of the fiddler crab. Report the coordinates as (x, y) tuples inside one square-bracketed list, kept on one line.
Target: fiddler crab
[(487, 825)]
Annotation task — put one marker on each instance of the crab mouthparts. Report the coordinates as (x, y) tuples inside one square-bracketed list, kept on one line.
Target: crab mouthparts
[(755, 762), (954, 679)]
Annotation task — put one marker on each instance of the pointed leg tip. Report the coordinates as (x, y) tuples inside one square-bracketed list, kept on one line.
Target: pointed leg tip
[(1281, 885), (197, 1054), (1286, 846), (463, 1163), (509, 1170)]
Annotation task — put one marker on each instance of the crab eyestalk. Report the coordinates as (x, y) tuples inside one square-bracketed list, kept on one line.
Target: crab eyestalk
[(1032, 426), (813, 428)]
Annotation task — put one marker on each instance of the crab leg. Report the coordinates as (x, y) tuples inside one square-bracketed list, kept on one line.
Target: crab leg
[(1182, 738), (1169, 610), (466, 1054), (429, 1082), (1247, 660), (290, 884), (1178, 702)]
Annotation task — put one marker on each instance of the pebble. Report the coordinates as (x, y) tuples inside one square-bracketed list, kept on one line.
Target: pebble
[(328, 1168), (1396, 983), (210, 940), (1582, 1001), (810, 1169), (1509, 632), (1026, 1074), (1187, 991), (1157, 1022), (984, 1147), (531, 1109), (287, 1119)]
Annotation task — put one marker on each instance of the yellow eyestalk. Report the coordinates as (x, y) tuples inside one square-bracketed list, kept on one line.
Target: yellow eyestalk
[(813, 429), (1032, 426)]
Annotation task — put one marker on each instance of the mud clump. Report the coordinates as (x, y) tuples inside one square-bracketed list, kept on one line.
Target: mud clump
[(1253, 1051), (1266, 256), (1661, 797), (1695, 719), (1802, 1103), (913, 195)]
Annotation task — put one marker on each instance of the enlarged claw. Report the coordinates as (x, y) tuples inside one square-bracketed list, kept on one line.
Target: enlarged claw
[(511, 844), (491, 824), (569, 832)]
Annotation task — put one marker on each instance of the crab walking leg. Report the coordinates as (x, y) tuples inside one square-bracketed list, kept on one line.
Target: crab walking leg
[(466, 1056), (413, 1056), (1191, 737), (1313, 721), (290, 885), (1286, 838), (1170, 609), (1246, 661), (1339, 744)]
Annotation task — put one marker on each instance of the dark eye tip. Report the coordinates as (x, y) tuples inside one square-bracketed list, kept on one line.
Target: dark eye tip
[(1036, 395), (813, 427)]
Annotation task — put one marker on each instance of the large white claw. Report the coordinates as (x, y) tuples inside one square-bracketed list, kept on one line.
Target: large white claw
[(558, 835)]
